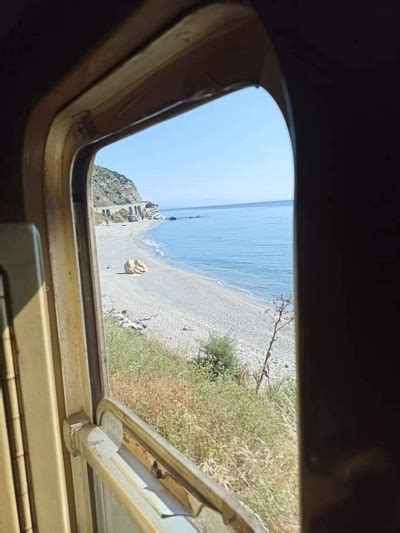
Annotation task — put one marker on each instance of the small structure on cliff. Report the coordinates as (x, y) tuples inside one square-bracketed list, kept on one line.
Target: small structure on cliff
[(131, 212), (137, 209), (117, 199)]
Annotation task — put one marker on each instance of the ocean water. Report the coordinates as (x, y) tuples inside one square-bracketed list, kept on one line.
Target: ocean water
[(246, 246)]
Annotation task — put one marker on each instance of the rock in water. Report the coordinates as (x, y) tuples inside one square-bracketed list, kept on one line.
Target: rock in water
[(135, 266)]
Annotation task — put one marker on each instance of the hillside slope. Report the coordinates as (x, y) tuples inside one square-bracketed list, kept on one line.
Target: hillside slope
[(111, 188)]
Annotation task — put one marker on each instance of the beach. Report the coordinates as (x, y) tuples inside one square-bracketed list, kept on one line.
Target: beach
[(182, 308)]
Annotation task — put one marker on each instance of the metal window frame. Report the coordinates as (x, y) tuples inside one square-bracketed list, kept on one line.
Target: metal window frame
[(125, 101)]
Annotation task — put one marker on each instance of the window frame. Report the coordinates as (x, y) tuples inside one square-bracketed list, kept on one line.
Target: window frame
[(119, 104)]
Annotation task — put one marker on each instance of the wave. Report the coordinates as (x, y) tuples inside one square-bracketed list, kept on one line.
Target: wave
[(197, 272), (231, 251), (248, 292), (154, 245)]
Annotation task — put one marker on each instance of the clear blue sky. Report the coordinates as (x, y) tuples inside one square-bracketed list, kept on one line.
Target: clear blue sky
[(235, 149)]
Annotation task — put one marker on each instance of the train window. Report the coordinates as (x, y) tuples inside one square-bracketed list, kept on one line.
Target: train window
[(193, 228), (174, 372)]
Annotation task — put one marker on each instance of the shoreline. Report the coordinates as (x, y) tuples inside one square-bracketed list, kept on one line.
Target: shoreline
[(151, 250), (182, 307), (161, 257)]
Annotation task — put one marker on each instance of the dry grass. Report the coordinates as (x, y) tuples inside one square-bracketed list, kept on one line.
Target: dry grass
[(245, 441)]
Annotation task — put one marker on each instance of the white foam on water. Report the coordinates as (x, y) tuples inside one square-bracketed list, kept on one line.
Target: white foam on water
[(154, 245)]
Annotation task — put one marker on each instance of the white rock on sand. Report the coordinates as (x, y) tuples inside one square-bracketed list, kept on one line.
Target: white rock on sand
[(184, 308), (135, 266)]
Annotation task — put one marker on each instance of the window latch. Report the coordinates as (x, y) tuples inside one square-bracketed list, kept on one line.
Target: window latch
[(71, 426)]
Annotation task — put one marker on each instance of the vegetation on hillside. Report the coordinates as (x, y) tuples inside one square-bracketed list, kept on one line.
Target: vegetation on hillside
[(247, 442), (109, 187), (217, 357)]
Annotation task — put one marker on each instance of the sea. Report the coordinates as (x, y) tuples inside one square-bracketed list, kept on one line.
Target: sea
[(248, 247)]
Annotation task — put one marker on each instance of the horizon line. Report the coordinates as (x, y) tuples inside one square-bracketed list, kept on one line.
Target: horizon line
[(226, 205)]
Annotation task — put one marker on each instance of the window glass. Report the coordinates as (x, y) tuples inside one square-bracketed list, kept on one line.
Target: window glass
[(193, 224)]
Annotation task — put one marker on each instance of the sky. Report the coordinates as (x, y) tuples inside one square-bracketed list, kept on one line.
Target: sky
[(235, 149)]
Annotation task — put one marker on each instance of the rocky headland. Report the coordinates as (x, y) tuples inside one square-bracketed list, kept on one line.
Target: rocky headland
[(117, 199)]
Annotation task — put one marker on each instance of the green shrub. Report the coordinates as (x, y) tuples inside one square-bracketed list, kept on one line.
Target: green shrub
[(217, 356), (246, 442)]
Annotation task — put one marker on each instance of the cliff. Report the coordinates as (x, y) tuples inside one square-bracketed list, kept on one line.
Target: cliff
[(111, 188)]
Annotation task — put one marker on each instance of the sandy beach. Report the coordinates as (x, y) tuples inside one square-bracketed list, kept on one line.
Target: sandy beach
[(183, 308)]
